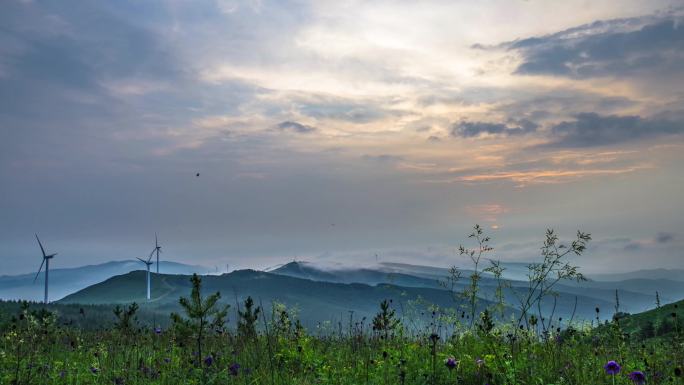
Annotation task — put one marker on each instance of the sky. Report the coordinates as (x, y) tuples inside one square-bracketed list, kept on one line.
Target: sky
[(333, 131)]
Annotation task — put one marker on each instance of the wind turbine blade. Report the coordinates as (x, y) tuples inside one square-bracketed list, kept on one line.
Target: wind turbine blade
[(150, 257), (41, 246), (156, 242), (141, 260), (41, 268)]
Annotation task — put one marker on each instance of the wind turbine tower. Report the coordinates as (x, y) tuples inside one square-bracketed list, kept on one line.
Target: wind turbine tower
[(147, 264), (157, 249), (46, 261)]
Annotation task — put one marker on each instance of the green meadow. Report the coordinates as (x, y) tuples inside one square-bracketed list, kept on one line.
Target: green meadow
[(210, 342)]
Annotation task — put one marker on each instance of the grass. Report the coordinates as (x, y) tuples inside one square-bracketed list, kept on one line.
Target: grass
[(37, 352), (465, 345)]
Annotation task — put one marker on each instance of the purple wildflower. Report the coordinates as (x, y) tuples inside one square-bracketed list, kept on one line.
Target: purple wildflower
[(94, 370), (209, 360), (234, 369), (612, 368), (157, 331), (167, 360), (638, 377), (451, 363)]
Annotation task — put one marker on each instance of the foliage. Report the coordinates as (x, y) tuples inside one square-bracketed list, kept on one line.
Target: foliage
[(126, 319), (37, 347), (543, 276), (247, 319), (386, 320), (203, 315)]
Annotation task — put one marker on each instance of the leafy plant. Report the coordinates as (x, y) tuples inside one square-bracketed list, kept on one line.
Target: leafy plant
[(125, 317), (470, 293), (386, 320), (247, 319), (202, 313), (542, 277)]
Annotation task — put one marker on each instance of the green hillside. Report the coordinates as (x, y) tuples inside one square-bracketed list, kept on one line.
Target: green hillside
[(659, 322), (315, 301)]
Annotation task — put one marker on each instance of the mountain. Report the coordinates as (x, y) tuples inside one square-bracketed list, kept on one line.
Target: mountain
[(635, 294), (658, 322), (315, 301), (306, 270), (68, 280), (668, 274)]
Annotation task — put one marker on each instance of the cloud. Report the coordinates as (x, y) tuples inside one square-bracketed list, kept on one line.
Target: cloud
[(383, 158), (467, 129), (592, 129), (664, 237), (487, 212), (295, 127), (619, 47)]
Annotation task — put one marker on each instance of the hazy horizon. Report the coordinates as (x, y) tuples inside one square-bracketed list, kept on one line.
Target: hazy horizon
[(333, 131)]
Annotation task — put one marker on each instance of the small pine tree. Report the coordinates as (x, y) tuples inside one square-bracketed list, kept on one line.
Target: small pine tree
[(283, 324), (248, 319), (668, 325), (125, 318), (385, 321), (200, 312), (486, 324), (647, 330)]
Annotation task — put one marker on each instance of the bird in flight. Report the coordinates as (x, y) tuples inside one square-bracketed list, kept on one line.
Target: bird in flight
[(196, 175)]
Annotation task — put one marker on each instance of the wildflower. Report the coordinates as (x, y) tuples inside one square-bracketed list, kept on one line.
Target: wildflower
[(167, 360), (612, 368), (157, 330), (94, 370), (479, 362), (638, 377), (451, 363), (234, 368), (559, 339), (209, 360)]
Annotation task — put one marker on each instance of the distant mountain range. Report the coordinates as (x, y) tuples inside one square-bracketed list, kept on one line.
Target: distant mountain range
[(635, 294), (327, 294), (315, 302), (69, 280), (668, 274)]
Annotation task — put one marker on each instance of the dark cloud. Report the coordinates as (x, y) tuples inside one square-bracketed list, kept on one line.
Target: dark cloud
[(664, 237), (467, 129), (295, 127), (383, 158), (591, 129), (344, 110), (606, 48)]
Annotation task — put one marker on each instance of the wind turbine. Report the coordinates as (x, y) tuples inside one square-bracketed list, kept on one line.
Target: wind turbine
[(46, 261), (157, 249), (147, 263)]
